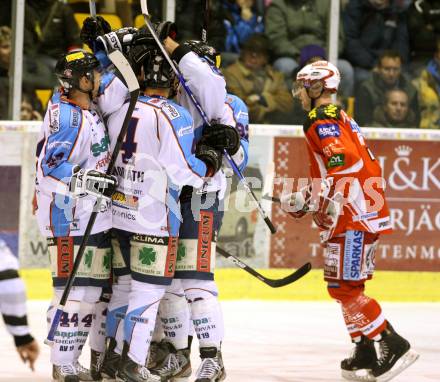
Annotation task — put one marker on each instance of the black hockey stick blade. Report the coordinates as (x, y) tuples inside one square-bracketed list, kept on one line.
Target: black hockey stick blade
[(274, 283), (273, 199)]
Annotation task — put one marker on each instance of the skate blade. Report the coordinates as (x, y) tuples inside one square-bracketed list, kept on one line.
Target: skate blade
[(403, 363), (362, 375)]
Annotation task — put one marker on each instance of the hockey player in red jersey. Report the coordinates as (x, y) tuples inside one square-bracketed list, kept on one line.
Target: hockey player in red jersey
[(347, 202)]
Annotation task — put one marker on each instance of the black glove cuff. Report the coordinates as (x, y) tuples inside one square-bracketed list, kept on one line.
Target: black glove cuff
[(23, 340), (179, 52)]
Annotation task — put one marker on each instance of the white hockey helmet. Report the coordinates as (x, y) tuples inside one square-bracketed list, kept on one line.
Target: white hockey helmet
[(320, 71)]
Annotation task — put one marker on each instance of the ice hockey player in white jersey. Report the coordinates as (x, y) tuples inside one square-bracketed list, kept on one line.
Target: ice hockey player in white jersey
[(156, 160), (13, 306), (70, 183)]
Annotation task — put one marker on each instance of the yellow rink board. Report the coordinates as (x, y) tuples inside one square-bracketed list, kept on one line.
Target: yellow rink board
[(237, 284)]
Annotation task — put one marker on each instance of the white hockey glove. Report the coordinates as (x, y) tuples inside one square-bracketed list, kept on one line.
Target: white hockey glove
[(92, 182), (120, 39), (295, 204)]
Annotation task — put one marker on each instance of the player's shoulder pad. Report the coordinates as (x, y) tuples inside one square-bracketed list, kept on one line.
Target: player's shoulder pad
[(64, 115), (179, 117), (106, 79), (323, 113)]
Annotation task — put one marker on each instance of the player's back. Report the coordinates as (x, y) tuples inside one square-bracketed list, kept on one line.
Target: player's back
[(156, 157)]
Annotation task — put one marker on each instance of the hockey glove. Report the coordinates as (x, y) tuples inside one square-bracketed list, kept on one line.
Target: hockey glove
[(121, 39), (92, 182), (222, 137), (92, 28), (210, 156)]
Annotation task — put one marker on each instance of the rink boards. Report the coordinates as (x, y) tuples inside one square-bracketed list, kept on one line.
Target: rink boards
[(412, 169)]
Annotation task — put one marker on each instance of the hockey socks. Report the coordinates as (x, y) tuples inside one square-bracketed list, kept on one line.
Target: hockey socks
[(140, 319)]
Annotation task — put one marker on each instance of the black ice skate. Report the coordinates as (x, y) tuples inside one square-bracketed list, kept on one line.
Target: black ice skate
[(358, 366), (176, 367), (110, 363), (96, 359), (65, 373), (130, 371), (395, 355), (158, 352), (211, 369), (83, 373)]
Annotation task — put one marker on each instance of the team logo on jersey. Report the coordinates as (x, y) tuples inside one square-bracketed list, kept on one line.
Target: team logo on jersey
[(128, 202), (336, 160), (54, 118), (74, 118), (147, 255), (328, 130), (170, 111), (185, 131), (354, 242), (66, 145), (102, 147)]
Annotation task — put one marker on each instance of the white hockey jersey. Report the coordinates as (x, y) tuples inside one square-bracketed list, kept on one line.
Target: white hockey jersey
[(155, 161), (71, 136)]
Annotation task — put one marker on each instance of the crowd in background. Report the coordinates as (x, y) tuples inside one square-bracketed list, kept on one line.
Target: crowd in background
[(389, 52)]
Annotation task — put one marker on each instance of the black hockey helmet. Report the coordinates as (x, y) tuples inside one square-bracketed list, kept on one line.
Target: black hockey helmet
[(157, 71), (209, 53), (71, 67)]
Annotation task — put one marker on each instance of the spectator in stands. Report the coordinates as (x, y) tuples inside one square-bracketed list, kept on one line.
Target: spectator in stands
[(371, 27), (424, 28), (395, 111), (30, 107), (51, 30), (387, 76), (428, 85), (242, 20), (261, 87), (293, 24)]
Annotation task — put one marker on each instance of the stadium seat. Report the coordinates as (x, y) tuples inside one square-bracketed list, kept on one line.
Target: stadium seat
[(139, 21), (44, 96)]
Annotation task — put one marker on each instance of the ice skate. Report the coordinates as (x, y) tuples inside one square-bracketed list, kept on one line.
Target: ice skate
[(96, 359), (395, 355), (158, 352), (65, 373), (211, 369), (130, 371), (176, 367), (110, 363), (358, 366), (83, 373)]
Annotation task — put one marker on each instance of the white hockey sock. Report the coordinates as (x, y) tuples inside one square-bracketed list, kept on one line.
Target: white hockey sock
[(174, 316), (117, 308), (158, 334), (85, 318), (140, 319), (205, 311), (65, 341)]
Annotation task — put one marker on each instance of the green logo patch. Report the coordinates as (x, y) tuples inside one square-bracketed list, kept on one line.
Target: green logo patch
[(88, 257), (181, 252), (336, 160), (147, 255), (106, 260)]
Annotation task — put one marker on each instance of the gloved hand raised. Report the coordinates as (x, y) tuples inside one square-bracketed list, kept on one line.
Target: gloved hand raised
[(221, 137)]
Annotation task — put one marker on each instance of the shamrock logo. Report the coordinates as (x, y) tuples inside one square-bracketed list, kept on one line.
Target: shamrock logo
[(147, 256), (106, 260), (181, 252), (88, 256)]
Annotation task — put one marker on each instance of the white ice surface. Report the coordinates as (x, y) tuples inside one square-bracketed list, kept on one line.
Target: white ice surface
[(274, 341)]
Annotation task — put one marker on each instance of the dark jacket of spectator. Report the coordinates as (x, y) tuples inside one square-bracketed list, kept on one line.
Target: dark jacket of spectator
[(50, 28), (189, 21), (239, 29), (371, 94), (382, 119), (369, 31), (424, 28), (293, 24)]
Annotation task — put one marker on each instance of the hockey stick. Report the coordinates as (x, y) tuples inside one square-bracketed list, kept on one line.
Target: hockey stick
[(123, 67), (92, 7), (203, 115), (205, 10), (300, 272)]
